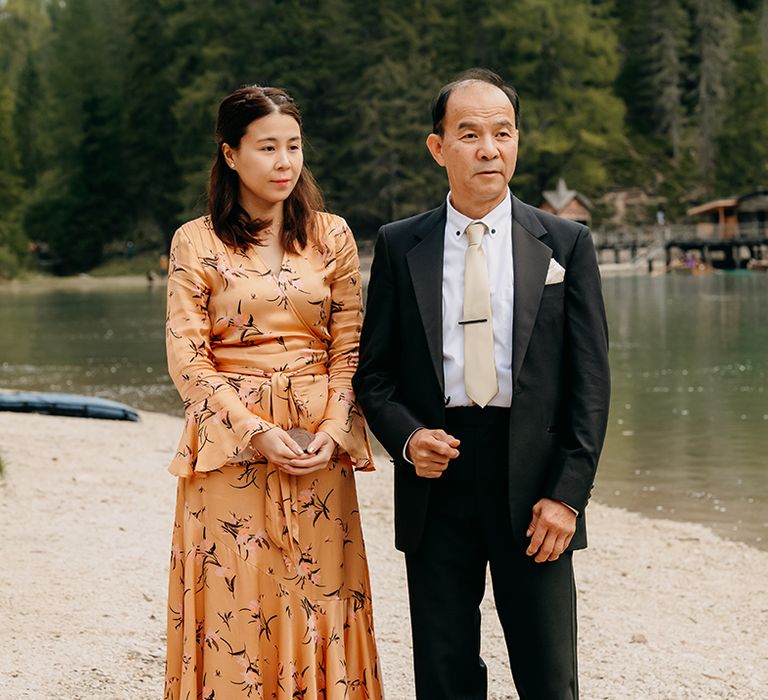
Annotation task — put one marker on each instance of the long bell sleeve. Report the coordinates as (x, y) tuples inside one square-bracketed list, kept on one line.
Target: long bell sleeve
[(218, 426), (342, 419)]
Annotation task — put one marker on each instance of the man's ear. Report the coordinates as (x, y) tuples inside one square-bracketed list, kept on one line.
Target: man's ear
[(435, 146)]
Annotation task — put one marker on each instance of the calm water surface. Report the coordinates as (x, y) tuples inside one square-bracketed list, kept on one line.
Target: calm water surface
[(688, 435)]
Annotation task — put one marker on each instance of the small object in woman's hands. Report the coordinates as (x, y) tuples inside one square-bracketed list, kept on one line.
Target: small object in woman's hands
[(302, 437)]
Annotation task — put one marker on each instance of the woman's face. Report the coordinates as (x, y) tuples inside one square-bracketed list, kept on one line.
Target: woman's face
[(268, 162)]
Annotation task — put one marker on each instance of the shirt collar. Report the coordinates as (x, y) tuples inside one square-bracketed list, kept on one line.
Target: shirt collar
[(498, 219)]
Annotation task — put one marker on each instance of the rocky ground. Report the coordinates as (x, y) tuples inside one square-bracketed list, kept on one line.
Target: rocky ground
[(667, 610)]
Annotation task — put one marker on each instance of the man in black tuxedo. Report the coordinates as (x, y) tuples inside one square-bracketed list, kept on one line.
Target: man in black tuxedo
[(484, 373)]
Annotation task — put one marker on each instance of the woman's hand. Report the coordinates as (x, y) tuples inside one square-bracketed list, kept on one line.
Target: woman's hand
[(276, 445), (317, 456)]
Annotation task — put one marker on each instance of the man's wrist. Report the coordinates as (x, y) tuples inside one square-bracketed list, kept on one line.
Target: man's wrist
[(408, 442)]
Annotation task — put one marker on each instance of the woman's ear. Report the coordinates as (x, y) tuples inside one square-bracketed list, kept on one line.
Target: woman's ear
[(229, 155)]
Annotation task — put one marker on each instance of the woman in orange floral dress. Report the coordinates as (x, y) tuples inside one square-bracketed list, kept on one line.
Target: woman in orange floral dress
[(269, 593)]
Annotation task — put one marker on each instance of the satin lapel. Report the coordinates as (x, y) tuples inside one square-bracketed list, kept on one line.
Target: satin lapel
[(530, 262), (425, 263)]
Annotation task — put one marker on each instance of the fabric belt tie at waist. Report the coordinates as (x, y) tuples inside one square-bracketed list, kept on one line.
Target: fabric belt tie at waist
[(282, 500)]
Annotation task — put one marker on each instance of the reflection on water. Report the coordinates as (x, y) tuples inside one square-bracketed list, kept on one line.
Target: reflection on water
[(688, 435)]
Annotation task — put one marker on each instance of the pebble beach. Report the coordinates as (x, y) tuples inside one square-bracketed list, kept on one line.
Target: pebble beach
[(667, 609)]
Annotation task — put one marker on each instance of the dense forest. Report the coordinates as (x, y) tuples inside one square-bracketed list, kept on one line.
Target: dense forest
[(107, 106)]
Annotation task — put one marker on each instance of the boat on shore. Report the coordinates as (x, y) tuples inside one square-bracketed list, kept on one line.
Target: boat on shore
[(56, 404), (690, 265)]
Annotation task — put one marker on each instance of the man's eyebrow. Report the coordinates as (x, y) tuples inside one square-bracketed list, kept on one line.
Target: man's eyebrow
[(467, 125), (473, 125)]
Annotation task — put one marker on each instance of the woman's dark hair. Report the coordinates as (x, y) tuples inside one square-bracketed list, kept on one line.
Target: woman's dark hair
[(230, 221), (482, 75)]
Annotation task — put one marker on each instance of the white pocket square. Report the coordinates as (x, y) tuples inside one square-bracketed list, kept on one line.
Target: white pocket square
[(555, 273)]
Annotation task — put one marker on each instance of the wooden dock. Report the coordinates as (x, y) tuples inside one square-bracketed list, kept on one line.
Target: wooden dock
[(642, 246)]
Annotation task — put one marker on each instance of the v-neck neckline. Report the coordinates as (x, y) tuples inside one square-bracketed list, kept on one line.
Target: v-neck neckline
[(264, 264)]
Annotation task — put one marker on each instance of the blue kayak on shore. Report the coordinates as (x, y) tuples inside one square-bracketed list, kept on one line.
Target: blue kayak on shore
[(55, 404)]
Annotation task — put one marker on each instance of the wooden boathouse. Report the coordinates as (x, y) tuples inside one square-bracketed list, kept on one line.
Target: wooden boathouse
[(728, 233)]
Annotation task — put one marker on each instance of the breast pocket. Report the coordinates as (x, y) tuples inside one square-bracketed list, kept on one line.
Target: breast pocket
[(552, 305), (553, 296), (556, 291)]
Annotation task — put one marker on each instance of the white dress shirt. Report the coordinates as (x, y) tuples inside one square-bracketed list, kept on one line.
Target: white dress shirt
[(497, 245)]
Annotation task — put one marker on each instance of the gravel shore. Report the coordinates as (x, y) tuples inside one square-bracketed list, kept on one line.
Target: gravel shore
[(667, 610)]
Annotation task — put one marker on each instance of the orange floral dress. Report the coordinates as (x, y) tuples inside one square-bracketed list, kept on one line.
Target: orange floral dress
[(269, 594)]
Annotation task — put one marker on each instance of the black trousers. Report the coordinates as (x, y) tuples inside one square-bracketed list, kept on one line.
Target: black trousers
[(468, 528)]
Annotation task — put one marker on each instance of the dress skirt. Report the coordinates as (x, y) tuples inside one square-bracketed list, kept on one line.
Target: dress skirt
[(248, 620)]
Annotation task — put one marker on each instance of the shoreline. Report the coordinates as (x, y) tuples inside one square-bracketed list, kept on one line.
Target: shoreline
[(667, 609), (86, 281), (725, 529), (83, 283)]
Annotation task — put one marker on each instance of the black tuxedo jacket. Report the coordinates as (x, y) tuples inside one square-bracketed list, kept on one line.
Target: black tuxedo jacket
[(559, 346)]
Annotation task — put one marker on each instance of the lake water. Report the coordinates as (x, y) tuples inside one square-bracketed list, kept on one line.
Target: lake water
[(688, 436)]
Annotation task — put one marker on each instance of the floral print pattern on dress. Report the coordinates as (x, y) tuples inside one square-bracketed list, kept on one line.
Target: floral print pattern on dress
[(269, 594)]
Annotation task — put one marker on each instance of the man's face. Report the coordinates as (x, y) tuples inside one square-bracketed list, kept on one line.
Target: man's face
[(478, 148)]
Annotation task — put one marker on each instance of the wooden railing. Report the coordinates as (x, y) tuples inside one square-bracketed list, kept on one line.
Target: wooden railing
[(642, 236)]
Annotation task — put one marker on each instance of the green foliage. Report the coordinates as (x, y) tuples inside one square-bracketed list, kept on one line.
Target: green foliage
[(563, 59), (150, 172), (28, 123), (394, 116), (107, 107), (742, 142), (715, 26), (138, 265), (654, 35)]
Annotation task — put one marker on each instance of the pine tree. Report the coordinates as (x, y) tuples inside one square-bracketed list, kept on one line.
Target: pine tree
[(28, 123), (10, 182), (210, 42), (563, 59), (151, 173), (653, 35), (23, 24), (762, 18), (78, 205), (715, 32), (12, 240), (395, 171), (742, 143)]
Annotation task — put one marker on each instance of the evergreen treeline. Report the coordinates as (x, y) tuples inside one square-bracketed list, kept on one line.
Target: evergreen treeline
[(107, 106)]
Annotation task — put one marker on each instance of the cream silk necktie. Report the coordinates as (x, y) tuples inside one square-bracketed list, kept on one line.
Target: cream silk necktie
[(479, 358)]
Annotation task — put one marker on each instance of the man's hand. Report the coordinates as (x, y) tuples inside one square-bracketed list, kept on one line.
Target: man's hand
[(551, 530), (430, 451)]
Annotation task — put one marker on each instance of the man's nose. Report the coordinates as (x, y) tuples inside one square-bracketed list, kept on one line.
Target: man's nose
[(487, 149)]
